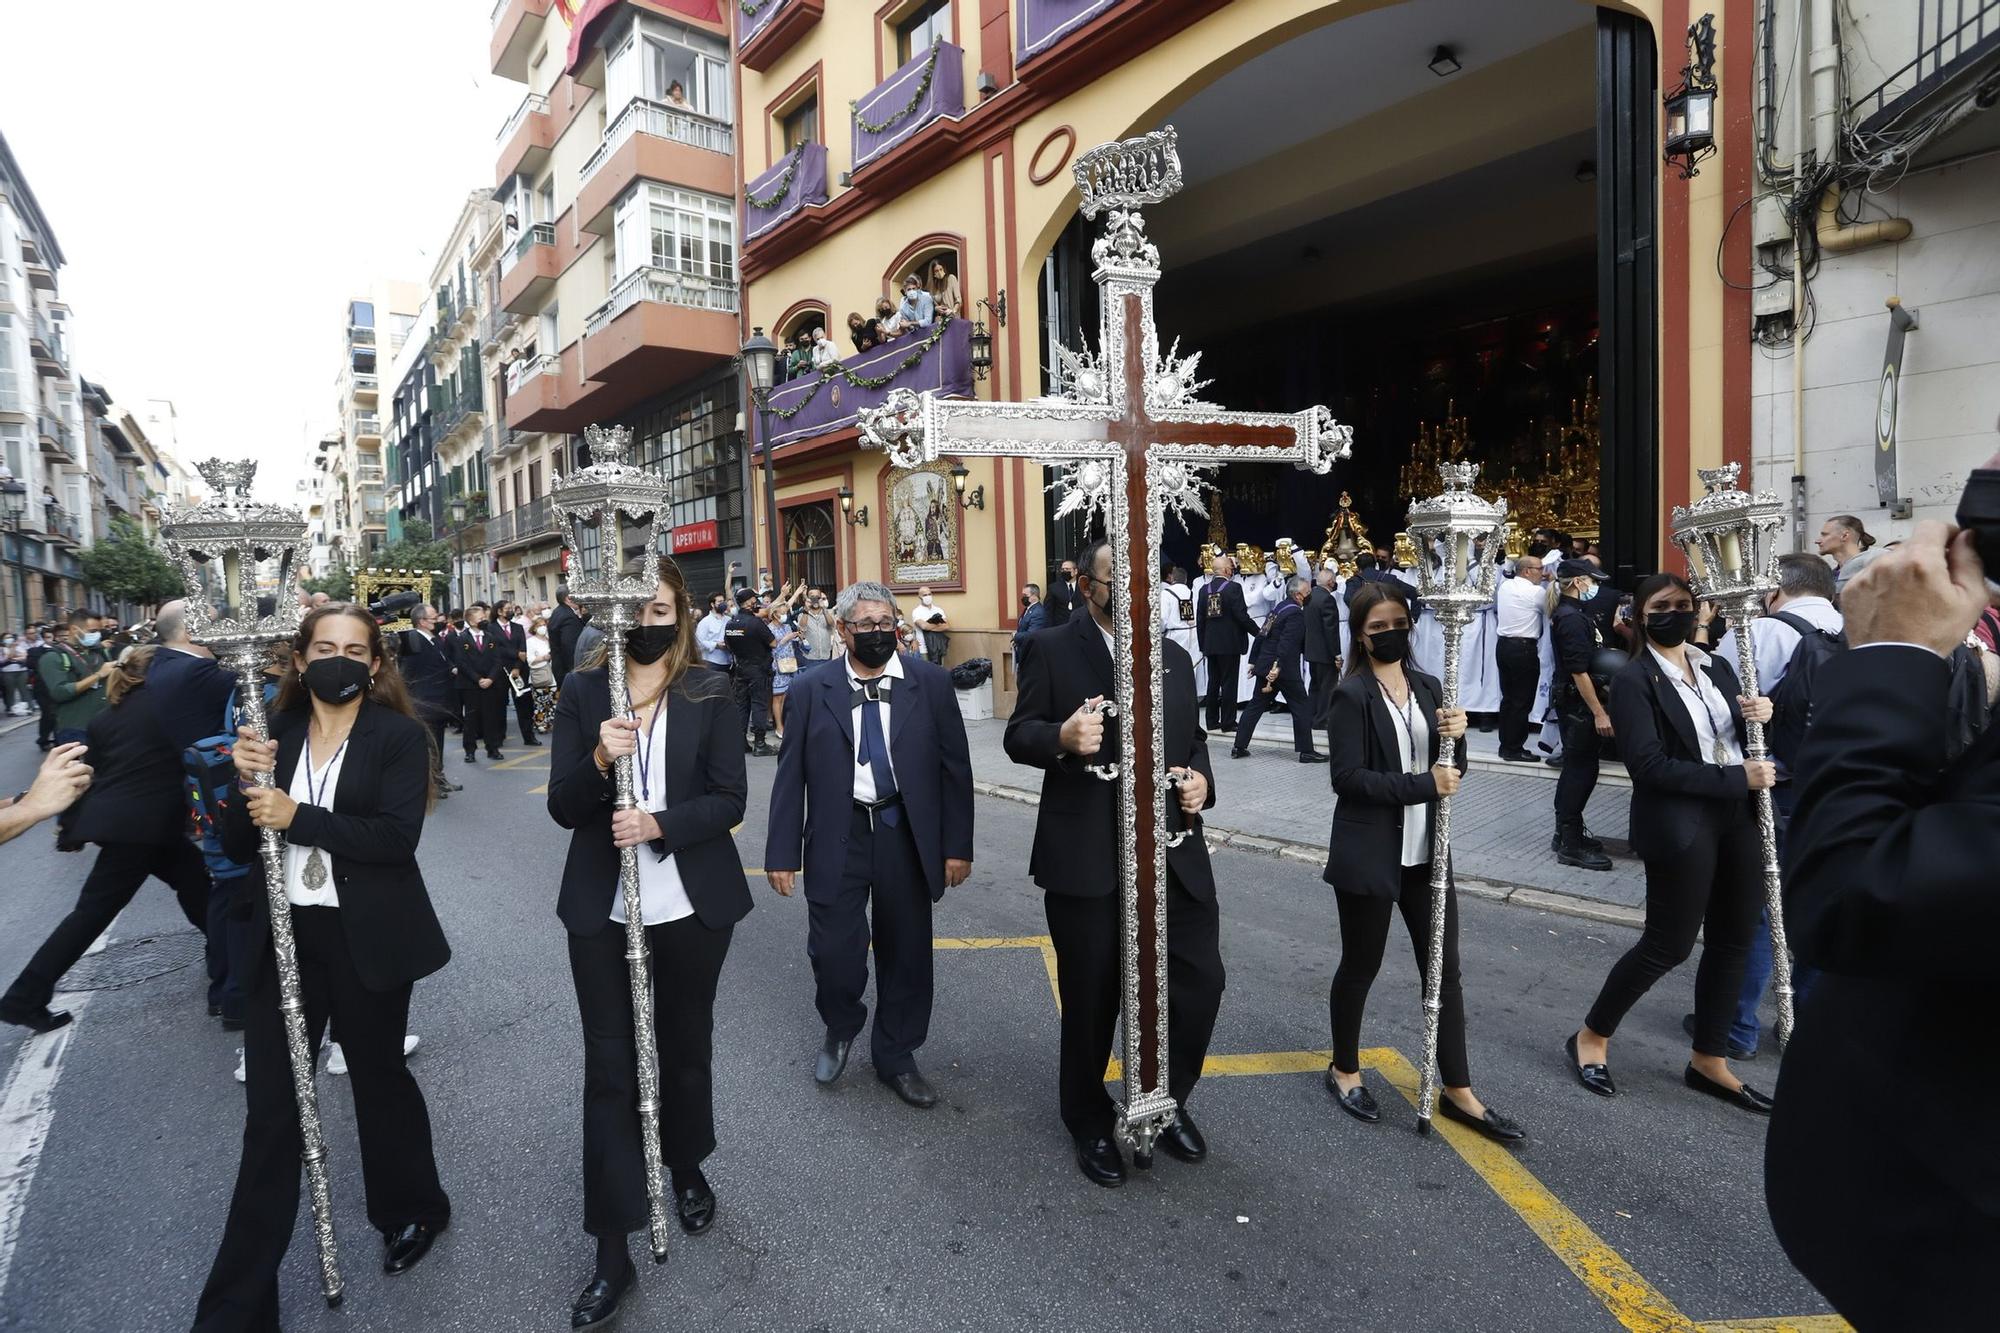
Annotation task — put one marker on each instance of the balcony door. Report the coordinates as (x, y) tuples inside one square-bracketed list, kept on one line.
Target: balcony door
[(809, 555)]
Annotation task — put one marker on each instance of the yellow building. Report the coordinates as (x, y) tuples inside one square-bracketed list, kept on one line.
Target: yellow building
[(1448, 220)]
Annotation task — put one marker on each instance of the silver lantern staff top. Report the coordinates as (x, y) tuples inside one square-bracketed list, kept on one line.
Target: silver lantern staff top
[(611, 498), (1730, 538), (1461, 577), (224, 547)]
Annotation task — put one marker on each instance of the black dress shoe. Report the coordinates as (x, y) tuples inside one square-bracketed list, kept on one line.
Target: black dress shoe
[(1595, 1077), (913, 1088), (470, 757), (215, 1011), (598, 1303), (39, 1018), (1517, 756), (1182, 1139), (1359, 1103), (694, 1202), (1735, 1052), (832, 1060), (1312, 757), (1745, 1097), (402, 1249), (1493, 1125), (495, 754), (1099, 1161), (1239, 754)]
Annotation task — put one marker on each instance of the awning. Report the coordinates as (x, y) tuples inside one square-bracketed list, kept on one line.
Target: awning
[(591, 14)]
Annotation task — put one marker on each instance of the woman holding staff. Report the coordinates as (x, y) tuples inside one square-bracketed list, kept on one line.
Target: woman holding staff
[(685, 738), (1384, 731)]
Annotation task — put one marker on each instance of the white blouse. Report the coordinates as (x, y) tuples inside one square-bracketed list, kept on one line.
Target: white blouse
[(1714, 731), (312, 787), (662, 896), (1413, 749)]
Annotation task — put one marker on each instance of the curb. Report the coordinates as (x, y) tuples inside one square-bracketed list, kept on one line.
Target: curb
[(1497, 891)]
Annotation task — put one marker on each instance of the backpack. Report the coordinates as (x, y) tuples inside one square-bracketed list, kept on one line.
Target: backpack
[(211, 786), (1791, 699)]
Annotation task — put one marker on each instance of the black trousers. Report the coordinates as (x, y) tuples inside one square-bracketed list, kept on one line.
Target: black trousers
[(751, 688), (524, 714), (1520, 665), (1364, 935), (1325, 676), (1294, 691), (113, 882), (1087, 940), (485, 718), (1220, 700), (436, 723), (686, 965), (231, 955), (1581, 745), (882, 871), (399, 1173), (1715, 888)]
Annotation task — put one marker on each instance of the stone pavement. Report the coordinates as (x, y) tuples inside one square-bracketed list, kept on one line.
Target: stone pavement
[(1501, 818)]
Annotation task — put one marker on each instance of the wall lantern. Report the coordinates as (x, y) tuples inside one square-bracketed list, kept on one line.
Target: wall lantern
[(855, 517), (1691, 106), (982, 349), (976, 500)]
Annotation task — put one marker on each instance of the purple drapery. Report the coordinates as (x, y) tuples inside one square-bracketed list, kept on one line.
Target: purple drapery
[(752, 24), (945, 97), (808, 186), (946, 368), (1046, 22)]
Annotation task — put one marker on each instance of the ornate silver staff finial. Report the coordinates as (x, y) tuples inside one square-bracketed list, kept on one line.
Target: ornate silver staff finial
[(229, 480), (1128, 175), (1458, 476), (1717, 479), (608, 445)]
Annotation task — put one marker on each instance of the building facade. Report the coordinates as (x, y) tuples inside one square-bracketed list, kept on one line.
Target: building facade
[(374, 328)]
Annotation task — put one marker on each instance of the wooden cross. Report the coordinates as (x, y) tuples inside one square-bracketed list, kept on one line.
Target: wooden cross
[(1132, 443)]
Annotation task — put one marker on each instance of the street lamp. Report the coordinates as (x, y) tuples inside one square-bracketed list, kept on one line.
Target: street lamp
[(457, 508), (856, 518), (977, 500), (14, 510), (760, 364)]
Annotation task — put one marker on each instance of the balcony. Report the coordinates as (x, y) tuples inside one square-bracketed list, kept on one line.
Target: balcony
[(12, 404), (55, 439), (368, 474), (769, 28), (1045, 23), (529, 269), (535, 398), (525, 140), (785, 191), (45, 344), (1956, 49), (522, 525), (494, 325), (651, 141), (457, 411), (517, 30), (821, 403), (360, 335), (61, 525), (367, 426), (659, 327), (365, 387), (930, 86), (41, 275)]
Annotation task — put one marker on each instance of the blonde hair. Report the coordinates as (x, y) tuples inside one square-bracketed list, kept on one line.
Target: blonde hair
[(133, 665)]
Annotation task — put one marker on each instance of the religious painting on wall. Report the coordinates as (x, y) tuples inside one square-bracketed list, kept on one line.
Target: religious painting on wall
[(921, 527)]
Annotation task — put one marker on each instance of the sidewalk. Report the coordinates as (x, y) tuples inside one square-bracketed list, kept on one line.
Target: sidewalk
[(1501, 818)]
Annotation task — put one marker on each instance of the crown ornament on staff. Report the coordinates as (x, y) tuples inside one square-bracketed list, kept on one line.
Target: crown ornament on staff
[(1456, 534), (1120, 179), (1730, 538), (231, 553), (609, 512)]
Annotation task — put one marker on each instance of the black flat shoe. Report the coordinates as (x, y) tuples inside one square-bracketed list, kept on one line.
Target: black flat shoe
[(913, 1088), (1597, 1078), (1099, 1161), (1359, 1103), (1739, 1053), (403, 1249), (38, 1019), (598, 1303), (1493, 1125), (1181, 1138), (1746, 1097), (1312, 757), (1239, 754), (832, 1061), (694, 1202), (471, 758), (1517, 756)]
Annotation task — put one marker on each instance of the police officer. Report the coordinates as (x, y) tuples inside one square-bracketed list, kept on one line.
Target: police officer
[(1586, 719), (749, 641)]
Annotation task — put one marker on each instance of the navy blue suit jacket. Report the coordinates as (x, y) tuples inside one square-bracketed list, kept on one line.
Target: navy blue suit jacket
[(812, 798), (426, 668), (1281, 642), (190, 695)]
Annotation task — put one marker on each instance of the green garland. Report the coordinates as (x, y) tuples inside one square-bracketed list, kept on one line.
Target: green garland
[(777, 196), (923, 88), (750, 7), (840, 372)]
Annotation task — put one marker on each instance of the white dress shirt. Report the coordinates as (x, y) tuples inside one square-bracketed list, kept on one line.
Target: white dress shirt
[(708, 633), (1705, 706), (1773, 642), (312, 787), (864, 774), (1524, 608), (1413, 748), (662, 896)]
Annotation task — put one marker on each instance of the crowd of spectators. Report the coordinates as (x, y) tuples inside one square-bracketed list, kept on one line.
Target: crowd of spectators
[(928, 295)]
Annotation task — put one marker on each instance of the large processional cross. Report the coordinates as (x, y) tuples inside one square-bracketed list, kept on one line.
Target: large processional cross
[(1131, 443)]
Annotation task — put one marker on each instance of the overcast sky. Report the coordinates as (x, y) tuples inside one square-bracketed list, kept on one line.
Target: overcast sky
[(216, 215)]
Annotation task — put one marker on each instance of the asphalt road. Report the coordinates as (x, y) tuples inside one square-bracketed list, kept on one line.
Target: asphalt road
[(846, 1210)]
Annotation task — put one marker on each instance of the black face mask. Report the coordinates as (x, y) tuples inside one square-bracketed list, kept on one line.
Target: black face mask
[(1389, 645), (647, 644), (336, 680), (873, 648), (1669, 628)]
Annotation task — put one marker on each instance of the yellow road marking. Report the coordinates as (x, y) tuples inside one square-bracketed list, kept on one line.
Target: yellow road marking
[(1805, 1323), (993, 942)]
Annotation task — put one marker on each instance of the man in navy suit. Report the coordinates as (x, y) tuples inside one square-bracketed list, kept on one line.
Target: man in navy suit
[(1274, 665), (1223, 627), (425, 660), (479, 655), (874, 787)]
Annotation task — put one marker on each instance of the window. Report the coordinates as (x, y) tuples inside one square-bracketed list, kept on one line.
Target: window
[(673, 66), (10, 381), (534, 481), (661, 227), (809, 544), (13, 451), (923, 27), (693, 442), (801, 123)]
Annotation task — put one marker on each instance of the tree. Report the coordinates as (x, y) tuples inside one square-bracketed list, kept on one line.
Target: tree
[(338, 583), (417, 549), (125, 567)]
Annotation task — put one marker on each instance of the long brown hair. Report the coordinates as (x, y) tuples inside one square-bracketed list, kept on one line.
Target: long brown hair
[(1367, 597), (131, 673), (385, 690), (680, 658)]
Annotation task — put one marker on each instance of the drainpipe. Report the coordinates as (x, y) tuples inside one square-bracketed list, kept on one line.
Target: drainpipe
[(1835, 239), (1801, 114)]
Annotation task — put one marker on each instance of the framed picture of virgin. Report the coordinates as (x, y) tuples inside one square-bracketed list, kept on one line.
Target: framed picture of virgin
[(921, 527)]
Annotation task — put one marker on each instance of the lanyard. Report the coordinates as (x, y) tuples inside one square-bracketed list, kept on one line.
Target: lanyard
[(1720, 727), (315, 796), (645, 755), (1406, 719)]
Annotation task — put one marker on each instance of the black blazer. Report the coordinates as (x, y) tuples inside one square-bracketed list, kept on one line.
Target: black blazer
[(1076, 830), (564, 626), (190, 695), (371, 833), (1060, 603), (479, 661), (1365, 849), (137, 786), (706, 789), (426, 666), (513, 645), (1322, 629), (1677, 795), (1228, 634), (1281, 642)]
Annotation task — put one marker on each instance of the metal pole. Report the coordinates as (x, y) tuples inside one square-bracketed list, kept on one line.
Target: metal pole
[(1767, 825), (248, 660), (770, 480), (1451, 619)]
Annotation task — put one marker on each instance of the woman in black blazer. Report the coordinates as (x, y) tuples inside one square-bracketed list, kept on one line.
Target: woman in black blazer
[(1678, 716), (355, 777), (1383, 733), (686, 738), (137, 815)]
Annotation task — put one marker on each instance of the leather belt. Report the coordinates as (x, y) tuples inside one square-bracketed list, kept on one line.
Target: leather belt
[(872, 806)]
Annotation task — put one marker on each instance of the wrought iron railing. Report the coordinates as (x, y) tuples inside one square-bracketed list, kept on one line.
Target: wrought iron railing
[(661, 121), (1950, 35), (669, 287), (520, 372)]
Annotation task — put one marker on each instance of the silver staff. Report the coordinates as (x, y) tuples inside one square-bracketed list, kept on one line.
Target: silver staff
[(232, 552), (1457, 535), (1730, 539), (610, 512)]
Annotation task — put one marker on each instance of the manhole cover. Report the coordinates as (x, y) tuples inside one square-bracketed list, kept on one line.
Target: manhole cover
[(128, 962)]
